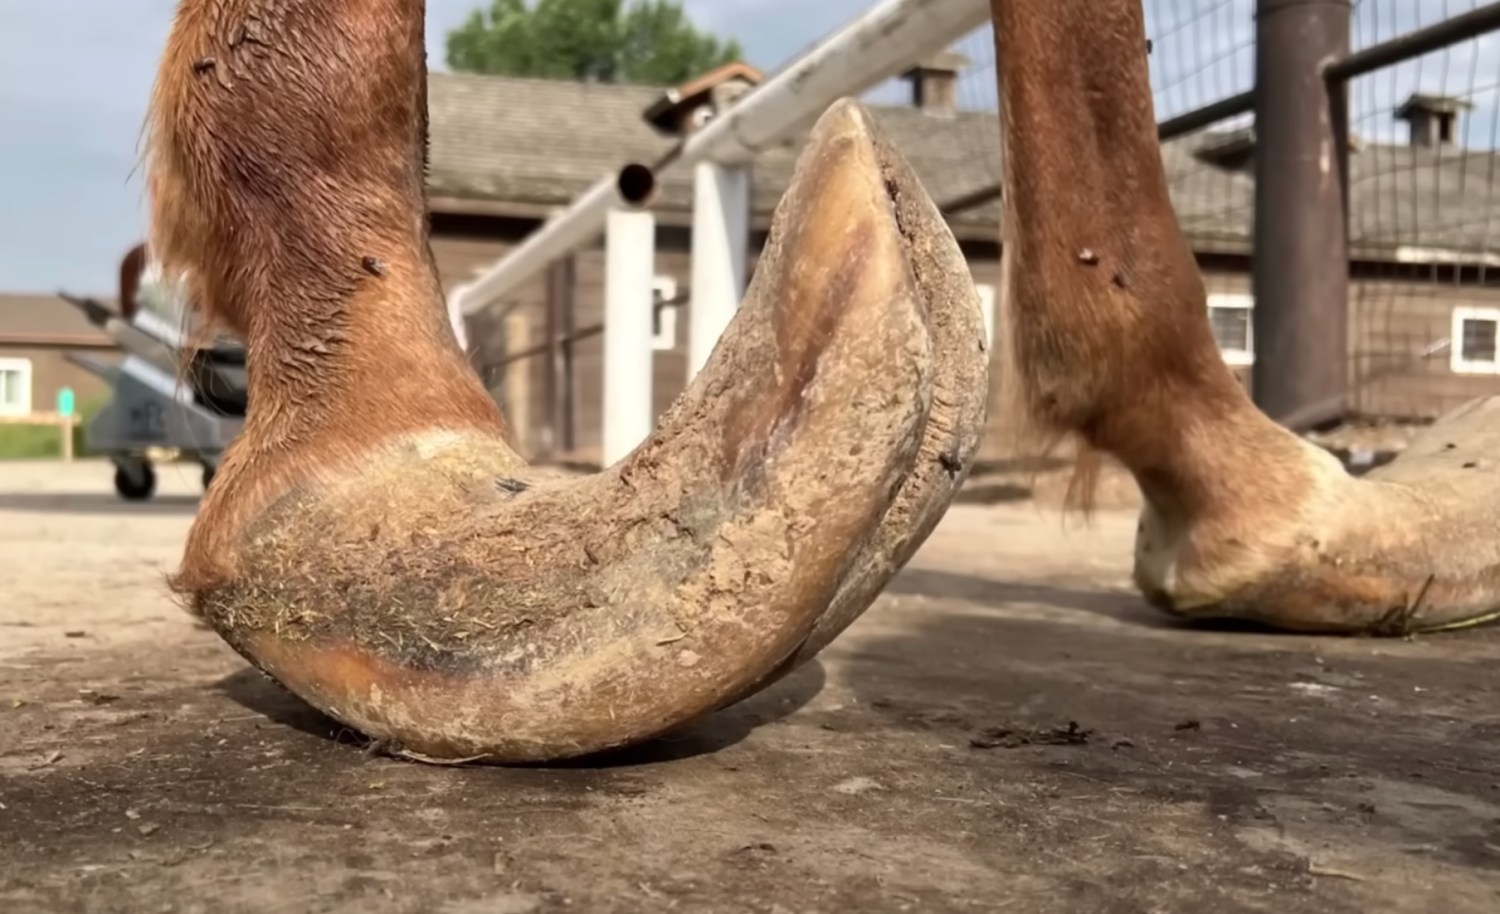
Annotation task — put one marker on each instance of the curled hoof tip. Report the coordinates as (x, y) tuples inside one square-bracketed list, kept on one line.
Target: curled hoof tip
[(845, 117), (412, 599)]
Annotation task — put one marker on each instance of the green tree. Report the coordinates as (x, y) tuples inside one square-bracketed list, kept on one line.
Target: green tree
[(650, 42)]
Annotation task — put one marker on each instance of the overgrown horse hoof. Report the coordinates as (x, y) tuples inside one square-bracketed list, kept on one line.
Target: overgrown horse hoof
[(430, 594)]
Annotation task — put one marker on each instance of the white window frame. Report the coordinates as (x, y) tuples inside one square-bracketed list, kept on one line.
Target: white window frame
[(1456, 361), (663, 334), (987, 311), (1242, 302), (23, 368)]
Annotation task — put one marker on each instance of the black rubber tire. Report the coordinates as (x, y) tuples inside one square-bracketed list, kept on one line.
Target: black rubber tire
[(130, 490)]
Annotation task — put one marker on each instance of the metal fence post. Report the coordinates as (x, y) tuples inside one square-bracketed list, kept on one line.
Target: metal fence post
[(1300, 264)]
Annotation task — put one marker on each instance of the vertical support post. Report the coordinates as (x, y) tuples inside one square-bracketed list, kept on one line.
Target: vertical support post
[(629, 264), (562, 281), (517, 380), (456, 318), (1300, 264), (68, 422), (721, 243), (567, 319), (552, 367)]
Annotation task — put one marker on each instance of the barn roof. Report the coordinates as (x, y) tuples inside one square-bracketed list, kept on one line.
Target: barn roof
[(543, 142), (46, 321)]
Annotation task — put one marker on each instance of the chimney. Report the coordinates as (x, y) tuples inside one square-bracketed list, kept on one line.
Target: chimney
[(934, 83), (1433, 118), (1232, 150)]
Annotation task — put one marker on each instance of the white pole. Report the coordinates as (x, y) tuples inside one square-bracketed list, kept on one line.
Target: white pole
[(456, 316), (721, 242), (629, 267)]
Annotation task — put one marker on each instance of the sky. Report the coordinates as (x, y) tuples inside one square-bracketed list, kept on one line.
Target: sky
[(75, 76), (74, 79)]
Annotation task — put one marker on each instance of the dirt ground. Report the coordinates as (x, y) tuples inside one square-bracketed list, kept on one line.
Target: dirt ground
[(1008, 729)]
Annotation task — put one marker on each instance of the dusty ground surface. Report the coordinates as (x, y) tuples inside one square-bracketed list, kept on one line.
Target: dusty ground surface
[(1008, 729)]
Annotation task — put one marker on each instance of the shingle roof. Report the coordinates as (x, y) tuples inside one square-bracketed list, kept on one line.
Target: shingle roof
[(544, 142), (46, 320), (532, 140)]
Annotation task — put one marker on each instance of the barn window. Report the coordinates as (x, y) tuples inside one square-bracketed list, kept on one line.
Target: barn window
[(15, 387), (664, 313), (1229, 316), (1475, 341)]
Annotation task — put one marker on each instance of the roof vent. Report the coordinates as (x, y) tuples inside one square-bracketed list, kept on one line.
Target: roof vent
[(934, 83), (1232, 150), (1433, 118)]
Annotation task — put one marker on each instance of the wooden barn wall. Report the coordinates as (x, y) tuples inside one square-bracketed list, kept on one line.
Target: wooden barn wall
[(1396, 314), (1393, 314), (670, 366), (1392, 322)]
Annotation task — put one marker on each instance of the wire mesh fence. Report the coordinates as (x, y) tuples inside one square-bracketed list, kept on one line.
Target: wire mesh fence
[(1202, 51), (1422, 208), (1422, 199), (979, 133)]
